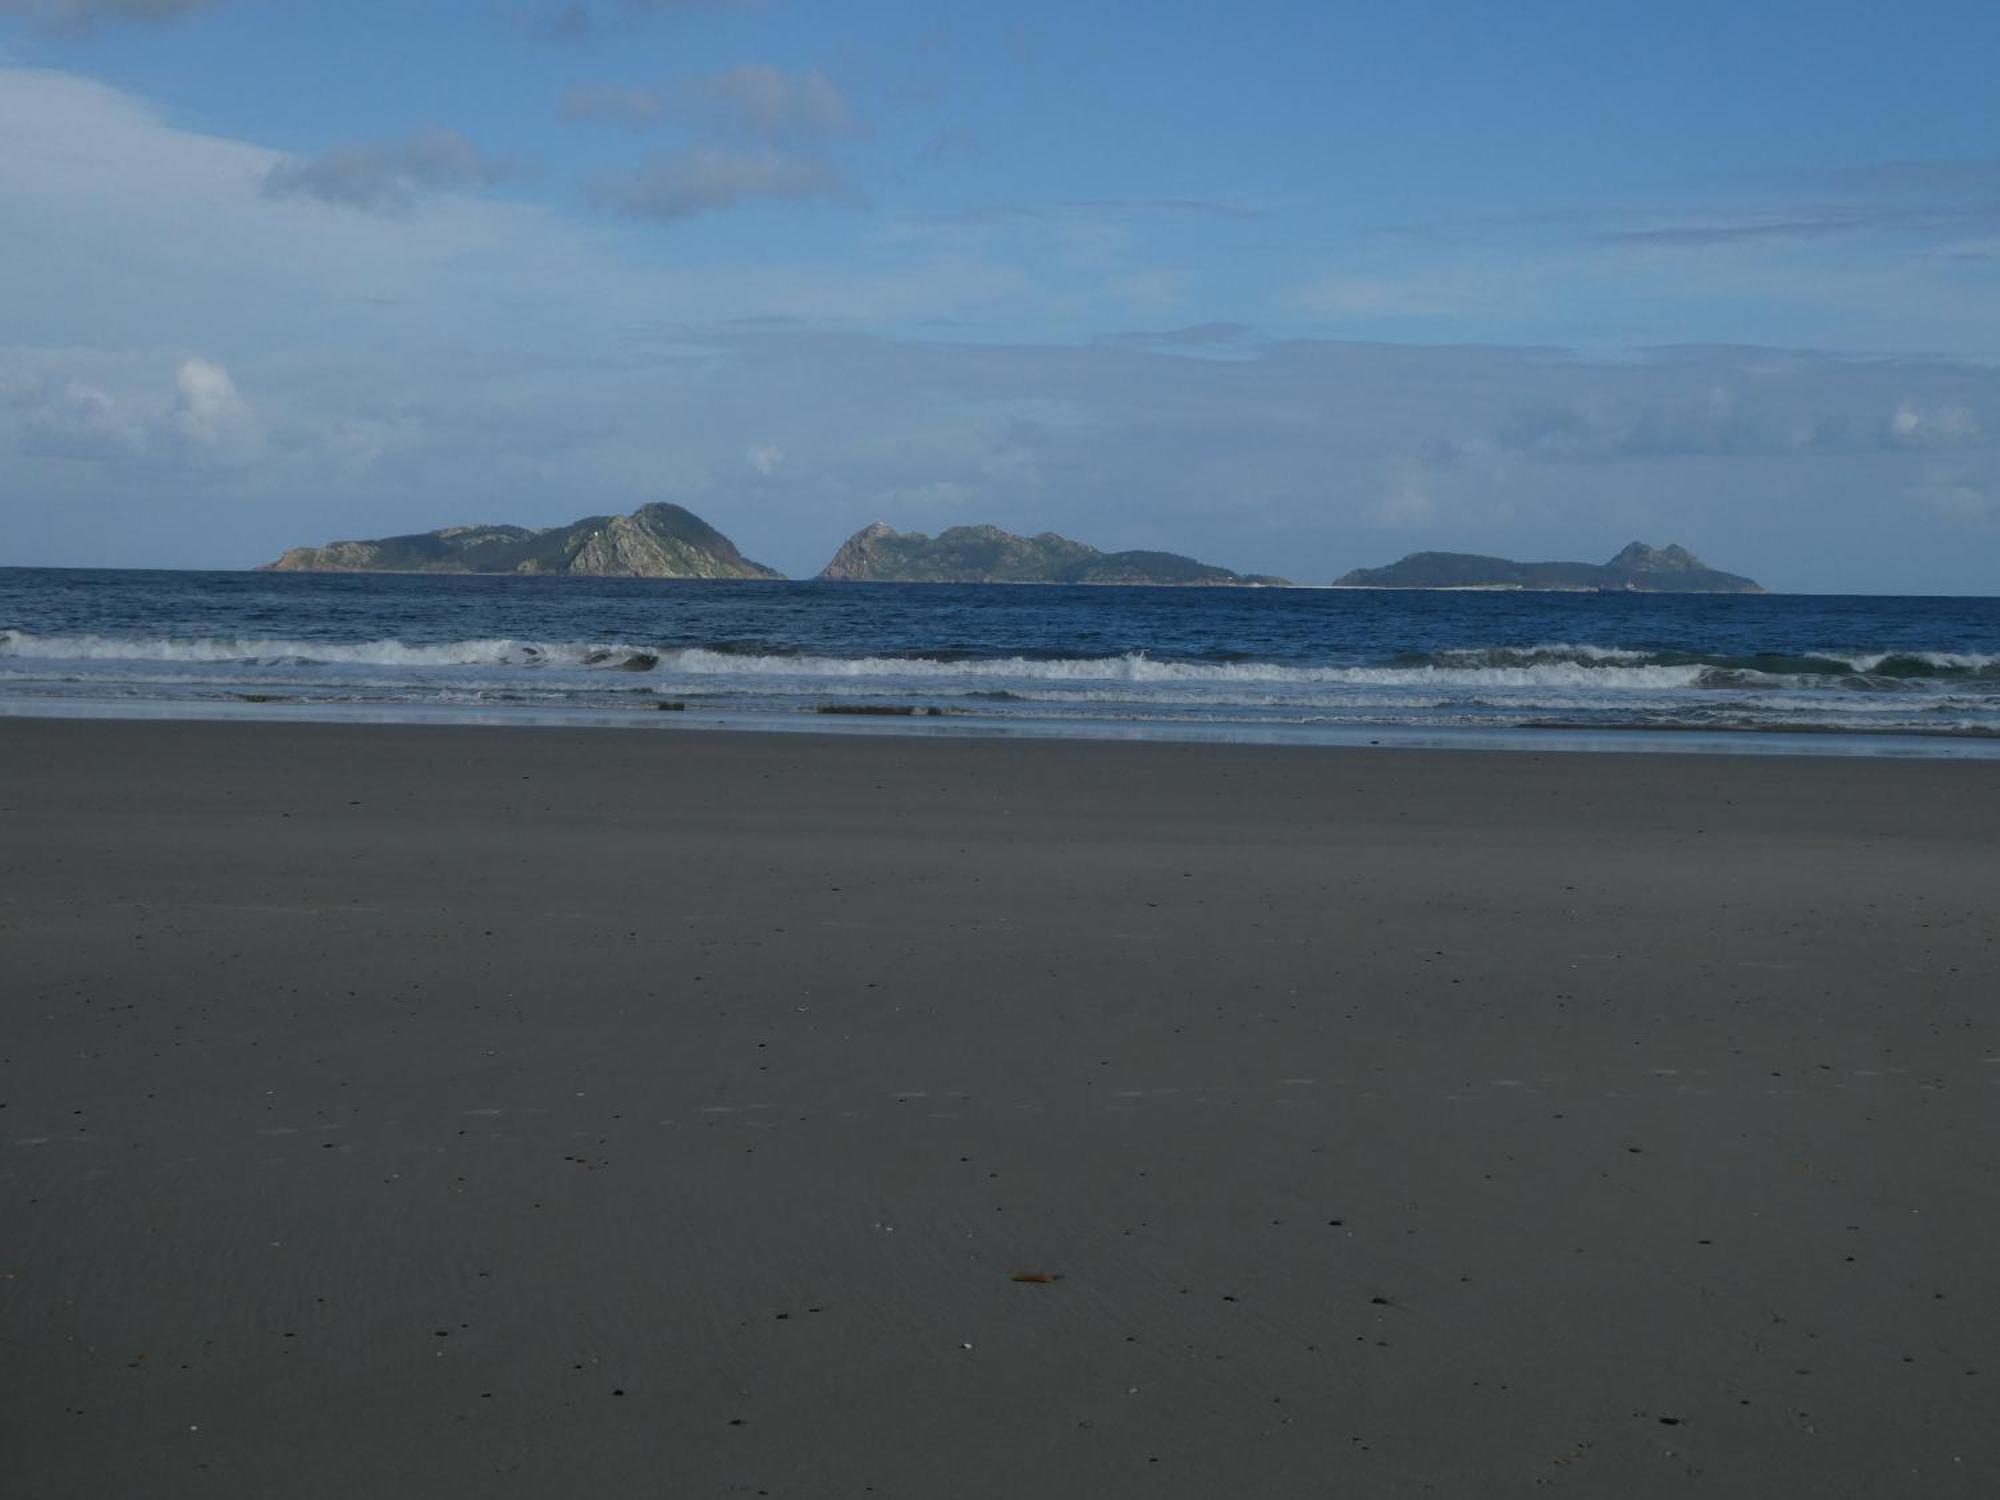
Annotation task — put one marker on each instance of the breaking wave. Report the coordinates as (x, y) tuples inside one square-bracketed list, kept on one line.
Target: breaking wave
[(1906, 665), (1556, 682), (1556, 665), (255, 651)]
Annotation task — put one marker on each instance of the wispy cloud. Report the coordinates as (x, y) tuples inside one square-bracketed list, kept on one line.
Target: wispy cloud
[(954, 143), (1154, 291), (634, 108), (752, 103), (760, 134), (1197, 340), (1961, 500), (998, 214), (573, 22), (84, 13), (1428, 292), (708, 179), (388, 176), (1826, 222), (773, 106), (1959, 175)]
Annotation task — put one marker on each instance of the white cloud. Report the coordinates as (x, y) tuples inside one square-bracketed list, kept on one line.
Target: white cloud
[(210, 415), (126, 230), (139, 230), (71, 419), (1302, 458), (1915, 425), (114, 410)]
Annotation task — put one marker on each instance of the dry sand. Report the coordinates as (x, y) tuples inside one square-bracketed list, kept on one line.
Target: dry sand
[(476, 1112)]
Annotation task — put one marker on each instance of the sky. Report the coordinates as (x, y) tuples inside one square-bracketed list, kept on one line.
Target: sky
[(1291, 287)]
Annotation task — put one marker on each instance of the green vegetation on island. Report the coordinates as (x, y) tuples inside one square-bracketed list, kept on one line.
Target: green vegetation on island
[(986, 554), (655, 541), (1637, 569)]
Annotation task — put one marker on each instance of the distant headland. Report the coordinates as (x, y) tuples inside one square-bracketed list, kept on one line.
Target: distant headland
[(986, 554), (1637, 569)]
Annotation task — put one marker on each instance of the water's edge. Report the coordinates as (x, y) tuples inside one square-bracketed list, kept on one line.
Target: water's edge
[(1567, 739)]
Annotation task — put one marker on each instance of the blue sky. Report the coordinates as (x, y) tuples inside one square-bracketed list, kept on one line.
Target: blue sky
[(1292, 287)]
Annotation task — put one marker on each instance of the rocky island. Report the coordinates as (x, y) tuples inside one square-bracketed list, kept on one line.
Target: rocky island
[(655, 541), (986, 554), (1637, 569)]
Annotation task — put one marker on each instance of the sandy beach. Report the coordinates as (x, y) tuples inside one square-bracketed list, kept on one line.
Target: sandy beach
[(476, 1112)]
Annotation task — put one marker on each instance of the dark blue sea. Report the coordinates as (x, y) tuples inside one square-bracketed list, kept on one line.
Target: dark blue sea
[(1901, 675)]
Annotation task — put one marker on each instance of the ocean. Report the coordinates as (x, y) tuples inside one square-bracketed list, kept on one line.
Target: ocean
[(1793, 672)]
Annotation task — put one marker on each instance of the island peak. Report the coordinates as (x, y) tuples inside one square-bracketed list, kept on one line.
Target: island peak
[(658, 540), (986, 554)]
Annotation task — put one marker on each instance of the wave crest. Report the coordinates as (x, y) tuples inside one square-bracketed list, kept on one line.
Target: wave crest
[(1559, 666)]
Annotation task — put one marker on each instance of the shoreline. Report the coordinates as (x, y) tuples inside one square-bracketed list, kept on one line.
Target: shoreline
[(512, 1114), (1531, 738)]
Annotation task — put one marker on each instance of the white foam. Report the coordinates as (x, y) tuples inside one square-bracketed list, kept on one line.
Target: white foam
[(1491, 685), (1951, 661), (1553, 651), (1136, 667), (1140, 668), (238, 649)]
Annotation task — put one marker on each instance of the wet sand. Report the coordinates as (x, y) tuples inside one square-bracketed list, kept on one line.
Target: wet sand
[(476, 1112)]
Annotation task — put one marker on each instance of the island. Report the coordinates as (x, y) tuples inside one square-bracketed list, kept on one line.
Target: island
[(986, 554), (655, 541), (1638, 569)]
